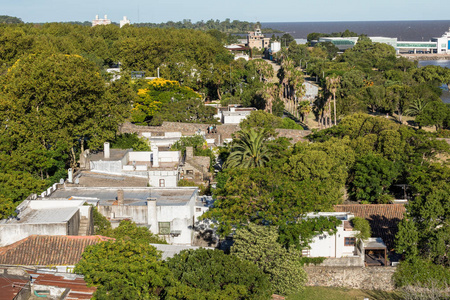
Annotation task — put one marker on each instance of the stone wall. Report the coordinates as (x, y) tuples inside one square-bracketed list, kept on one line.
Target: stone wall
[(224, 131), (370, 278), (356, 261)]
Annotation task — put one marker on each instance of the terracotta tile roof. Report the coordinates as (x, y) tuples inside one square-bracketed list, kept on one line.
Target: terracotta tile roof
[(47, 250), (383, 218)]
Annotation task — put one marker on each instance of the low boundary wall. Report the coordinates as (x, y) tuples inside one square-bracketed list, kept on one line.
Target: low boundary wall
[(368, 278)]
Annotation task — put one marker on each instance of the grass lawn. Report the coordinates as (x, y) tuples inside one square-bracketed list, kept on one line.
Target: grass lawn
[(329, 293)]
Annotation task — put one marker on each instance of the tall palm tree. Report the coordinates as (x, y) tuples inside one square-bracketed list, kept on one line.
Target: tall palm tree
[(332, 84), (249, 149), (304, 108), (269, 92)]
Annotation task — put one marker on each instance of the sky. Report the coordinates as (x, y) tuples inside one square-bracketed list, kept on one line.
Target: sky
[(157, 11)]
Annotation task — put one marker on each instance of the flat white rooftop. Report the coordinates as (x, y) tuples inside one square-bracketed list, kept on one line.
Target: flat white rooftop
[(132, 196)]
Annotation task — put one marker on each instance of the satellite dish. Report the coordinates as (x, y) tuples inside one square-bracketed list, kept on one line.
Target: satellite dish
[(77, 180), (61, 181)]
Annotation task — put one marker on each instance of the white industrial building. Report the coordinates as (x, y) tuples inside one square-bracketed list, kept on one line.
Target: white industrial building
[(98, 21), (124, 22), (437, 45)]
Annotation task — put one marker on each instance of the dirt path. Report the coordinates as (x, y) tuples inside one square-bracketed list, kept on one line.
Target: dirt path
[(275, 67)]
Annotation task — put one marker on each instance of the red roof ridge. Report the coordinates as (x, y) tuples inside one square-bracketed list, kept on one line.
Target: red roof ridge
[(89, 237)]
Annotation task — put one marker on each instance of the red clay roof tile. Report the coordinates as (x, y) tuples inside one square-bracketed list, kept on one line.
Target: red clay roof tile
[(45, 250), (383, 218)]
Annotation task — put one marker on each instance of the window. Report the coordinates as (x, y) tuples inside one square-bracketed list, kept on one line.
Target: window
[(350, 241), (198, 209), (162, 183), (164, 227)]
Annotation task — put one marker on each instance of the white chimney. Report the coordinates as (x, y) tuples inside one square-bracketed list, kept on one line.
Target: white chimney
[(155, 151), (152, 215), (106, 17), (96, 17), (106, 152), (70, 175)]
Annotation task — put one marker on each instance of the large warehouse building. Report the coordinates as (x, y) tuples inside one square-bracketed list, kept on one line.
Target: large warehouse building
[(438, 45)]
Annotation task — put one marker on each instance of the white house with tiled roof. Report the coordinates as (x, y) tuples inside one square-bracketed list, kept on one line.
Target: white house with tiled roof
[(341, 244)]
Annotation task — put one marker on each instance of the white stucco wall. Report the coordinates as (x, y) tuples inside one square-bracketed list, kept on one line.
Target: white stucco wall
[(114, 167), (169, 156), (11, 233), (180, 219), (170, 178), (139, 214), (40, 204), (233, 119), (139, 156), (325, 245), (342, 250)]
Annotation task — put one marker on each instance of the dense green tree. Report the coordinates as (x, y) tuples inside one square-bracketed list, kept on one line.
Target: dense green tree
[(57, 99), (329, 48), (373, 176), (286, 39), (434, 113), (267, 196), (124, 270), (10, 20), (211, 274), (261, 119), (129, 231), (130, 140), (101, 224), (258, 244), (363, 227)]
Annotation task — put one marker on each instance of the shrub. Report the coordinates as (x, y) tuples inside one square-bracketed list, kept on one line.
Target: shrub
[(212, 274), (421, 273), (258, 244)]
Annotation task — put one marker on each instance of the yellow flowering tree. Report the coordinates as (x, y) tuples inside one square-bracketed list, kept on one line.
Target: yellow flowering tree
[(166, 100)]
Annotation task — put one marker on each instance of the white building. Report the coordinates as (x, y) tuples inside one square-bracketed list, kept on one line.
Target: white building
[(168, 212), (104, 21), (166, 140), (275, 46), (160, 167), (443, 42), (115, 72), (232, 114), (46, 217), (124, 22), (341, 244)]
